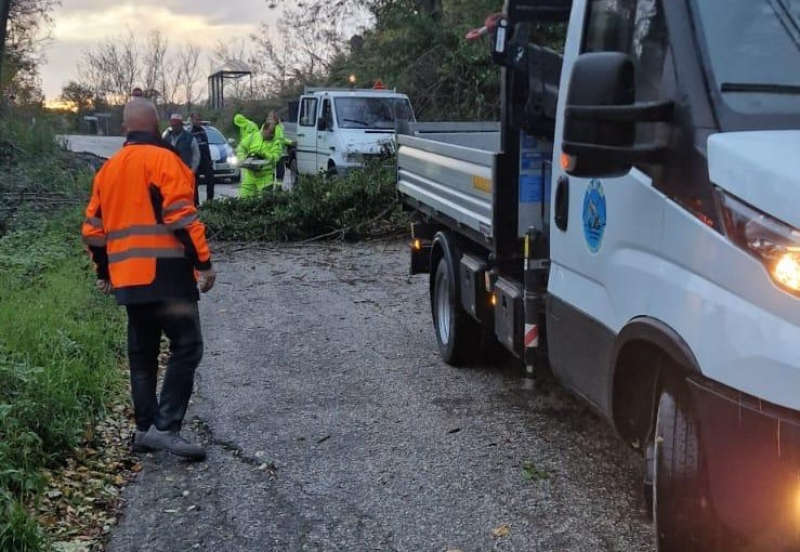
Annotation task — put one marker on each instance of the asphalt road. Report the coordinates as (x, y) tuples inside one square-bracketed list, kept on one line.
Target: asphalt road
[(106, 146), (333, 425)]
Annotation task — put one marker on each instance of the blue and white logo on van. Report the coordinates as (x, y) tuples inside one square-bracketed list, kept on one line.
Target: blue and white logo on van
[(594, 215)]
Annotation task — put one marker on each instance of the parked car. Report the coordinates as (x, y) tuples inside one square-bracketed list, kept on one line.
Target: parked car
[(223, 156)]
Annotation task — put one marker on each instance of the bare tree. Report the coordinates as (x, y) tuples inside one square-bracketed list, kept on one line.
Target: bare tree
[(307, 41), (153, 61), (188, 59), (112, 68), (169, 84)]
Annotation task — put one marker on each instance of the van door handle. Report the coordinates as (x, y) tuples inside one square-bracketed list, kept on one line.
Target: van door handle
[(562, 203), (301, 135)]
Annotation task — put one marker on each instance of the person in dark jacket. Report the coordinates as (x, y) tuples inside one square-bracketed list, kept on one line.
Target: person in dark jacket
[(206, 168), (184, 141), (149, 249)]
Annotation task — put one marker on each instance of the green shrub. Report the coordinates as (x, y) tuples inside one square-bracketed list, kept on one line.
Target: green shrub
[(60, 348), (18, 531), (361, 204)]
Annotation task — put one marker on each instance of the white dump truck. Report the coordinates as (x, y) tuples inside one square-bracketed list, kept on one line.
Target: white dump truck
[(634, 226)]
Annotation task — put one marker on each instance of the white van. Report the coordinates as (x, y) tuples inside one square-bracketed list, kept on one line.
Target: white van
[(336, 130)]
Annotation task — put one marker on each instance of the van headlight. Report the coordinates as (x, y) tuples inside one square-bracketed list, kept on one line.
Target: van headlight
[(232, 160), (774, 243)]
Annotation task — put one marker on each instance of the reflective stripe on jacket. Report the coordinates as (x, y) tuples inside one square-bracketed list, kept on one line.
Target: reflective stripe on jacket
[(141, 225)]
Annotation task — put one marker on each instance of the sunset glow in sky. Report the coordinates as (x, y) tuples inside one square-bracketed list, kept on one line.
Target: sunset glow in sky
[(79, 24)]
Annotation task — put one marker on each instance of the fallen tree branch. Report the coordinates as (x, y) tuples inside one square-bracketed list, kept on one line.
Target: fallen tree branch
[(346, 229)]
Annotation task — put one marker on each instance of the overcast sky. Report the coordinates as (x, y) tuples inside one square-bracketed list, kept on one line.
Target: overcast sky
[(81, 23)]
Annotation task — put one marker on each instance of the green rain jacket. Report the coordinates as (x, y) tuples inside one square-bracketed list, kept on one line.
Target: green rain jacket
[(245, 125), (252, 144)]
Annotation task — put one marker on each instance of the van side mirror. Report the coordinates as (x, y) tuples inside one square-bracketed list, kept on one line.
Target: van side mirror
[(602, 114), (322, 124)]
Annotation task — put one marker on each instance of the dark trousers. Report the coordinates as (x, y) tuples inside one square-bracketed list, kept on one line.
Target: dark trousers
[(280, 168), (206, 174), (180, 322)]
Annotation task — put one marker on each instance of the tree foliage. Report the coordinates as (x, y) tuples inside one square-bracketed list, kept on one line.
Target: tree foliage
[(79, 96), (416, 46), (29, 26)]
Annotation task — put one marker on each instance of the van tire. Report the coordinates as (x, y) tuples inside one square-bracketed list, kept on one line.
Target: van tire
[(332, 171), (457, 335), (294, 171), (683, 518)]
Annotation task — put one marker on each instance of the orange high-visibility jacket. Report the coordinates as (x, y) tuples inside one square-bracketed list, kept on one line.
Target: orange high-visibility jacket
[(142, 227)]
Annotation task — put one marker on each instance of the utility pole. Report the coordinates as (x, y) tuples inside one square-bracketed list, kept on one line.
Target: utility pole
[(5, 7)]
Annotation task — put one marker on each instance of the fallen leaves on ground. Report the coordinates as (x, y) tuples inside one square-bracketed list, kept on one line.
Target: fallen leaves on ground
[(83, 499), (502, 531)]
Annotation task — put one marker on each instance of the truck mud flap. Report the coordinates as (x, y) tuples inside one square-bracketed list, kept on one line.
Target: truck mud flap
[(474, 297), (508, 315)]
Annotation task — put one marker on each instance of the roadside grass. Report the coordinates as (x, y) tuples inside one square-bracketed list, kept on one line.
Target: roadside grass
[(31, 138), (360, 205), (60, 341)]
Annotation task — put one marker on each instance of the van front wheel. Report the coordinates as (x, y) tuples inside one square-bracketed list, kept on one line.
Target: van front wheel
[(684, 521), (332, 171)]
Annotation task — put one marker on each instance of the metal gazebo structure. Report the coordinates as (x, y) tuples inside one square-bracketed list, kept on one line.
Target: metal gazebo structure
[(232, 70)]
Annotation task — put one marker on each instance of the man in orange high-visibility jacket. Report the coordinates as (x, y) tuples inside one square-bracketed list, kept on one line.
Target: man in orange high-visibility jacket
[(150, 250)]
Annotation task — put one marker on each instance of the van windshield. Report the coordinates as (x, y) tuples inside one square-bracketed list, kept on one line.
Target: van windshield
[(372, 112), (753, 47)]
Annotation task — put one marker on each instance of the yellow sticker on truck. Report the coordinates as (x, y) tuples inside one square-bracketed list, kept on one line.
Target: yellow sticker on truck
[(482, 183)]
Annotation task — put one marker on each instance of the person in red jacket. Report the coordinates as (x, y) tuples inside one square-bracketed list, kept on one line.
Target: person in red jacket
[(149, 248)]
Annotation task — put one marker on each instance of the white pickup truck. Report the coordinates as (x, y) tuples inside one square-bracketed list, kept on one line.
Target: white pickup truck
[(634, 226), (336, 130)]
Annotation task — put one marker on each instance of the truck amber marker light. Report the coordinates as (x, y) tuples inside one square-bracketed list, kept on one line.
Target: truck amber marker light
[(568, 161)]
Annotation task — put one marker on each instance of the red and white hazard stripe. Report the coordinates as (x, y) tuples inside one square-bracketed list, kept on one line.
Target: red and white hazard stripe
[(531, 335)]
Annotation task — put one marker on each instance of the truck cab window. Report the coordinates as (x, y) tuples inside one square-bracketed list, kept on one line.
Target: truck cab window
[(635, 27), (638, 28), (308, 112)]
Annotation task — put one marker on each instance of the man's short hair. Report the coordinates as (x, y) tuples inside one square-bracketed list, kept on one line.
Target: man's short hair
[(176, 117)]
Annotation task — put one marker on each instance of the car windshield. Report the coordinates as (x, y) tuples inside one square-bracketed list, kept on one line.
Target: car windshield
[(372, 112), (753, 47), (215, 136)]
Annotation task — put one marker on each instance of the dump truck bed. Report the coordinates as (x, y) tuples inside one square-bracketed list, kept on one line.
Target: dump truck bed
[(448, 170)]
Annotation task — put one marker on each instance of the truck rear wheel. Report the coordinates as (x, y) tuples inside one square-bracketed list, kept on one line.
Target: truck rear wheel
[(456, 333), (684, 521)]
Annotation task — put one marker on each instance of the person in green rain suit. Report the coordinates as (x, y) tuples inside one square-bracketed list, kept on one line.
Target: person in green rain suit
[(279, 143), (252, 144)]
